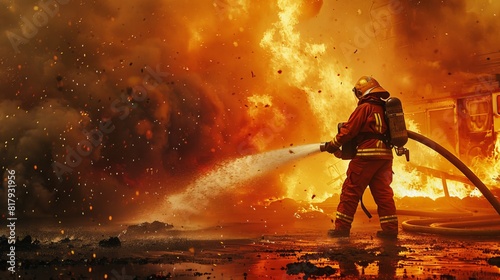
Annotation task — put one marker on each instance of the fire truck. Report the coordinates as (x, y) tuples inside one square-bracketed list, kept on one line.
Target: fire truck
[(466, 123)]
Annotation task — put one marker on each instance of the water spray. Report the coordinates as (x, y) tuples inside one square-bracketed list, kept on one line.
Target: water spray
[(232, 173)]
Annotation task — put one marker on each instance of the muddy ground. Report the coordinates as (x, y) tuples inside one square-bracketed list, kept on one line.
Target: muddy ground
[(296, 249)]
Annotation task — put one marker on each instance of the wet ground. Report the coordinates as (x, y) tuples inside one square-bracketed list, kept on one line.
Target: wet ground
[(260, 250)]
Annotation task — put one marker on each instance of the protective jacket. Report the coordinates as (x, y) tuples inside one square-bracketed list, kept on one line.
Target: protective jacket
[(367, 127)]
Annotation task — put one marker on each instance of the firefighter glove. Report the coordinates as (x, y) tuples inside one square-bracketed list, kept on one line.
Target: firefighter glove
[(329, 147)]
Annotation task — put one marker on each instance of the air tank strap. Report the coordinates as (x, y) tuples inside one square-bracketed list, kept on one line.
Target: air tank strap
[(362, 136), (372, 135)]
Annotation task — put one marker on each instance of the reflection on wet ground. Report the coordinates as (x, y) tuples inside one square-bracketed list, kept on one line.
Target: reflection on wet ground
[(219, 253)]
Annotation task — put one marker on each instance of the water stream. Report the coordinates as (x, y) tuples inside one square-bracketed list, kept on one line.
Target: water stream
[(232, 173)]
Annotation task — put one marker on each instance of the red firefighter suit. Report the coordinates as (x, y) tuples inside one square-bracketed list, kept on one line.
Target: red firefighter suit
[(371, 166)]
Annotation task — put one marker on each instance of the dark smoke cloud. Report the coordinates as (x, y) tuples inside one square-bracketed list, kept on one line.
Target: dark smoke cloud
[(446, 43)]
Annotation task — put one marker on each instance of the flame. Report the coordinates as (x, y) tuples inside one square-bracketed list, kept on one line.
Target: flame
[(488, 169), (496, 156), (309, 67), (410, 181), (419, 184)]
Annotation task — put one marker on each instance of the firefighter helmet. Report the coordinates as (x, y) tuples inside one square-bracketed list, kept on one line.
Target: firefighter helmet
[(366, 85)]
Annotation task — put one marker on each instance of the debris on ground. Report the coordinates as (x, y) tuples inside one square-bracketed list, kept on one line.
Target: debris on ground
[(111, 242), (309, 269)]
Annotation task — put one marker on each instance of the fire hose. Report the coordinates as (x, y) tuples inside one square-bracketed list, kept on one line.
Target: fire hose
[(460, 225)]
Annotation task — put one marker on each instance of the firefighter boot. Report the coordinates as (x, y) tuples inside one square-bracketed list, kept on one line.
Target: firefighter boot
[(342, 226)]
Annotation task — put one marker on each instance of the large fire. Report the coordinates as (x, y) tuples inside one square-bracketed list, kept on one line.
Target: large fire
[(326, 84)]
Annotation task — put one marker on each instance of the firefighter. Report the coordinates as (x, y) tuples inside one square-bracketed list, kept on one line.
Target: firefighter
[(371, 164)]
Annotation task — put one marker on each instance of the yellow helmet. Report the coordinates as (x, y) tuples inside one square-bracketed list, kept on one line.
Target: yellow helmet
[(366, 85)]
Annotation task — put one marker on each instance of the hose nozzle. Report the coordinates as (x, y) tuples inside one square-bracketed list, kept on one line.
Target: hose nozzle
[(322, 147)]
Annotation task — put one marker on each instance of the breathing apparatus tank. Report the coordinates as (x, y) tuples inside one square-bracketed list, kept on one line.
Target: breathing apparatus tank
[(396, 122), (398, 135)]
